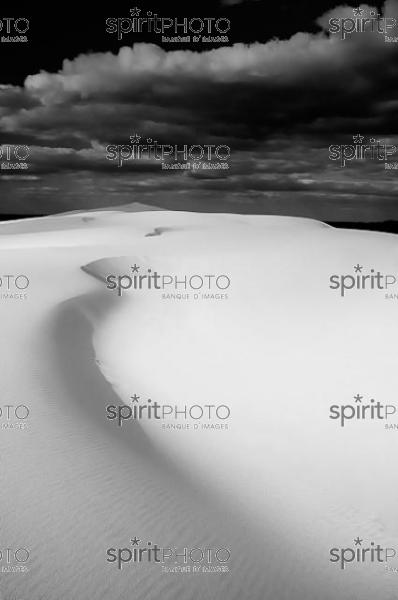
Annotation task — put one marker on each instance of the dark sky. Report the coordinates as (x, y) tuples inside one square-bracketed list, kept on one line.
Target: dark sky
[(279, 92)]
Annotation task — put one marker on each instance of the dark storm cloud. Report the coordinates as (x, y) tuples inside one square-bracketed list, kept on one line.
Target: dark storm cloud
[(278, 105), (241, 94), (14, 98)]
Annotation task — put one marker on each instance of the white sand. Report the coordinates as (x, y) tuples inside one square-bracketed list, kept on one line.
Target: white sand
[(279, 488)]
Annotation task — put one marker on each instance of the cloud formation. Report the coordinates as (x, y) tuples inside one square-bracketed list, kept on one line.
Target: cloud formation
[(279, 106)]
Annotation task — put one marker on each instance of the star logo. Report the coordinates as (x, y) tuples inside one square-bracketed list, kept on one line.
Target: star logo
[(358, 541), (358, 268), (135, 139), (135, 268), (135, 12), (135, 398), (358, 139), (357, 11), (358, 398), (135, 541)]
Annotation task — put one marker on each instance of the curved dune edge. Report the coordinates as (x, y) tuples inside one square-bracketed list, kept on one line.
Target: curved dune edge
[(263, 490)]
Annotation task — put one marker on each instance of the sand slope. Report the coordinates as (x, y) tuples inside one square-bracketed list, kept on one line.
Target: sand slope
[(279, 488)]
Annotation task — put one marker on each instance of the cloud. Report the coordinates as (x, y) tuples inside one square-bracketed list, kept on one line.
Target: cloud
[(278, 105)]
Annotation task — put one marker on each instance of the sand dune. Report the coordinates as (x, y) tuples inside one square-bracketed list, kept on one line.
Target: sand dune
[(279, 487)]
